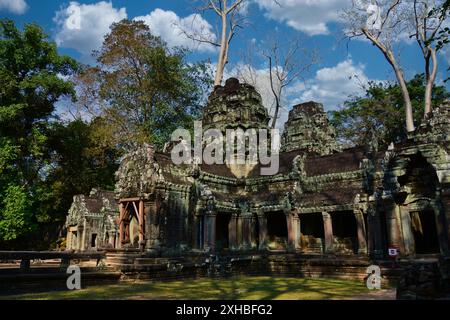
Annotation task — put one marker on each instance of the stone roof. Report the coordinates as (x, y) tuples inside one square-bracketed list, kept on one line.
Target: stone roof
[(99, 202), (348, 160), (308, 128), (235, 105)]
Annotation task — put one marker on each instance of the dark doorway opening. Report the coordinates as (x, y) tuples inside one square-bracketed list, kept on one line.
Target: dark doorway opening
[(222, 235), (312, 232), (277, 232), (425, 232), (93, 240), (345, 237), (384, 233)]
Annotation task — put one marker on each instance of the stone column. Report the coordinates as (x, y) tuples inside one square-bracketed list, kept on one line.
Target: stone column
[(297, 231), (84, 237), (195, 231), (375, 243), (69, 239), (239, 232), (290, 230), (141, 225), (360, 231), (393, 227), (151, 230), (445, 209), (210, 231), (406, 230), (262, 231), (232, 232), (328, 232), (121, 226), (247, 231), (112, 236), (441, 224), (252, 234)]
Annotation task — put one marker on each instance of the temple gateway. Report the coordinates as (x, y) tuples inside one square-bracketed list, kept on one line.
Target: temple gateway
[(359, 201)]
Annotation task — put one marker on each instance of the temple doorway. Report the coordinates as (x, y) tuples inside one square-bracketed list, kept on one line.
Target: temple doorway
[(345, 237), (277, 231), (222, 233), (312, 232), (425, 232)]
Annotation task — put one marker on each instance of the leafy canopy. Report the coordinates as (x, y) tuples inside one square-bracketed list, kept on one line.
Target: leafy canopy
[(378, 115), (142, 89), (31, 82)]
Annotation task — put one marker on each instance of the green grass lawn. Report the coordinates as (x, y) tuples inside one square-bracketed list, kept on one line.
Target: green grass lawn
[(251, 288)]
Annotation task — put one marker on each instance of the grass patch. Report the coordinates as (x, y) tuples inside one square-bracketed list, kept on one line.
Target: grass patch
[(239, 288)]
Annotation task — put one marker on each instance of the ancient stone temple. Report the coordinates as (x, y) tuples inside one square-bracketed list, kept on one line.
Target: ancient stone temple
[(359, 201), (91, 222)]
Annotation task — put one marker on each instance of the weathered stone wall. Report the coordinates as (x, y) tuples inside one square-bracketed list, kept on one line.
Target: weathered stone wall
[(308, 129)]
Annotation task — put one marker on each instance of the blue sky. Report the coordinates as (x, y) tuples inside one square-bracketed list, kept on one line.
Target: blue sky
[(330, 81)]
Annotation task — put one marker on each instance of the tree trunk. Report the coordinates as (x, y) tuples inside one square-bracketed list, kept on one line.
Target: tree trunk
[(430, 82), (222, 54), (406, 98), (399, 75)]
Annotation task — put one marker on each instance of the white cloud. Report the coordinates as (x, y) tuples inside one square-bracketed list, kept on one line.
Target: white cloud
[(83, 26), (169, 26), (14, 6), (309, 16), (331, 86)]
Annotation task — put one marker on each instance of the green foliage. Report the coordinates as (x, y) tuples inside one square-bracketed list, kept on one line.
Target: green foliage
[(146, 89), (79, 163), (15, 216), (31, 82), (379, 114)]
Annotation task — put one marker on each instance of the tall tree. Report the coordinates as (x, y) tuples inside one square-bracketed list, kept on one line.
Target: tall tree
[(426, 27), (385, 23), (143, 89), (382, 23), (31, 82), (377, 116), (230, 20)]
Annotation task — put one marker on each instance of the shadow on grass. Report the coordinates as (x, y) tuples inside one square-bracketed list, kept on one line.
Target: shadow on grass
[(248, 288)]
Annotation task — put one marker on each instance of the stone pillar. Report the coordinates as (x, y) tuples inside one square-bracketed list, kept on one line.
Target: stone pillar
[(69, 239), (232, 232), (297, 228), (82, 236), (239, 232), (328, 232), (252, 234), (151, 229), (195, 232), (247, 231), (360, 231), (408, 244), (112, 236), (141, 225), (441, 224), (375, 243), (210, 231), (290, 230), (445, 209), (262, 231), (393, 228), (121, 224)]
